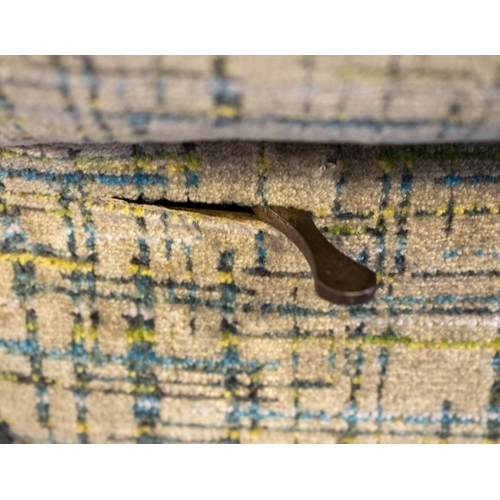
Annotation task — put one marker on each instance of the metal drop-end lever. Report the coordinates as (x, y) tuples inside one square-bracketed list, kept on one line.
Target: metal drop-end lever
[(337, 278)]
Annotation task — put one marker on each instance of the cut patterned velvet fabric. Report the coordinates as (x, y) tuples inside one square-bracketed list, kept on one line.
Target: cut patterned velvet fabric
[(124, 320)]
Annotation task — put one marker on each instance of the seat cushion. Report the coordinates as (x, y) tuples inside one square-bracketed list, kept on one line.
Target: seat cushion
[(127, 321), (363, 99)]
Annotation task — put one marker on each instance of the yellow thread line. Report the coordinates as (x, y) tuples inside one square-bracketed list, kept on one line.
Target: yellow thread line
[(142, 388), (225, 277), (8, 377), (39, 196), (142, 270), (140, 335), (65, 264), (461, 210), (143, 429), (82, 428), (225, 111)]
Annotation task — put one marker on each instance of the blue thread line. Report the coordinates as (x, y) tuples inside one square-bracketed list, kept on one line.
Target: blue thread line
[(456, 179), (138, 178), (29, 347), (478, 253)]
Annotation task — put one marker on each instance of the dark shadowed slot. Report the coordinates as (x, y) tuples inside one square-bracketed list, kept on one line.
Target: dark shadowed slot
[(189, 205)]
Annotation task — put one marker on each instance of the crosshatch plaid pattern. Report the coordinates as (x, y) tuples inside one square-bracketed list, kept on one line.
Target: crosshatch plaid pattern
[(134, 322), (370, 99)]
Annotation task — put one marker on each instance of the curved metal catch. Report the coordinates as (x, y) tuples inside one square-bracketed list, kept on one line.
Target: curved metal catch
[(337, 278)]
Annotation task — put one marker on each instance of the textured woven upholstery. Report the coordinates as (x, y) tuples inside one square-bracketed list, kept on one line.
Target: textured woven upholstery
[(124, 318), (404, 99), (125, 321)]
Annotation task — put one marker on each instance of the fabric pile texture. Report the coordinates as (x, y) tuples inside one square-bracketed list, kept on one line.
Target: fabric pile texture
[(143, 302), (367, 99), (126, 320)]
